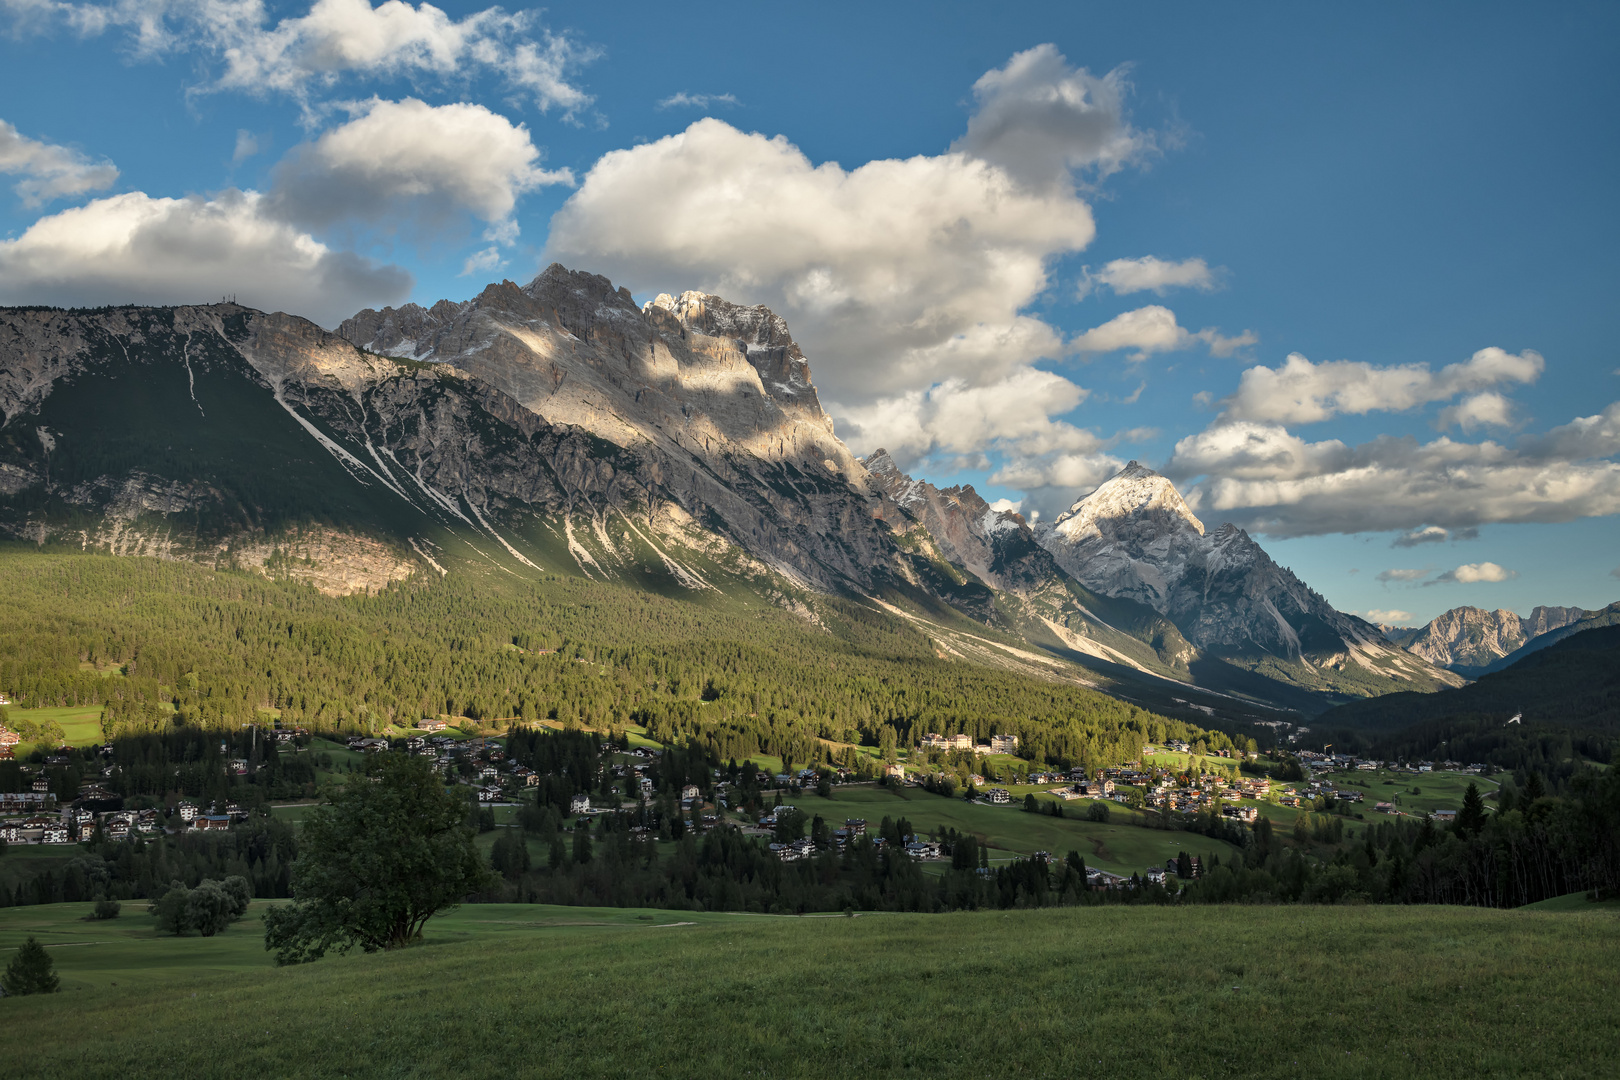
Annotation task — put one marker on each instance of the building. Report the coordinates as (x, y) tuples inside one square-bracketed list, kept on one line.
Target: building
[(188, 812), (432, 725), (690, 793), (855, 826), (947, 742), (579, 804), (999, 796), (1004, 744), (9, 738), (212, 822)]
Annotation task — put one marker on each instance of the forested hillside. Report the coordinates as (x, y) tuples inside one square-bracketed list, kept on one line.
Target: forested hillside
[(165, 642), (1566, 698)]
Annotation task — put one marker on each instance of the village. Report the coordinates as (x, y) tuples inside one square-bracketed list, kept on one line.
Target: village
[(1165, 780)]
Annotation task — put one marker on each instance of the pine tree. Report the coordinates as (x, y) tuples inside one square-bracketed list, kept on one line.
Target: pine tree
[(1471, 819), (31, 971)]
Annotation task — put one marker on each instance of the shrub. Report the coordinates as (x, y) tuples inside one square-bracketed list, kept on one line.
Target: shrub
[(1097, 812), (105, 909)]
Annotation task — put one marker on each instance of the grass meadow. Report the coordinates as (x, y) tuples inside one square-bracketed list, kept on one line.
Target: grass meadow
[(514, 990), (1119, 848)]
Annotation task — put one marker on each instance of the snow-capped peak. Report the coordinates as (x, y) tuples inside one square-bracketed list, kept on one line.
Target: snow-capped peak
[(1134, 492)]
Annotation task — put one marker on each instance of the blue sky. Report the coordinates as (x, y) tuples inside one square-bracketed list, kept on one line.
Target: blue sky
[(1019, 249)]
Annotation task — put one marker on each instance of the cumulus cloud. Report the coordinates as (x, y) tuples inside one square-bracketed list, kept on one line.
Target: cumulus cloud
[(1270, 480), (1391, 617), (955, 417), (1149, 274), (893, 275), (1153, 329), (1403, 575), (1007, 504), (1470, 573), (1489, 409), (306, 54), (133, 248), (408, 159), (1300, 392), (1041, 120), (49, 171), (683, 100)]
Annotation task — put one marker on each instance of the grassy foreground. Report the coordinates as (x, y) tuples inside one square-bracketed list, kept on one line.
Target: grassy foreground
[(504, 990)]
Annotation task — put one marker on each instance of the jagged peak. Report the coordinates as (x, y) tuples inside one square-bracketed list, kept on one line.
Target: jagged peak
[(1133, 492), (879, 461)]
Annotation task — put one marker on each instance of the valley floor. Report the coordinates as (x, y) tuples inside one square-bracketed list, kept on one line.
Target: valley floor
[(520, 990)]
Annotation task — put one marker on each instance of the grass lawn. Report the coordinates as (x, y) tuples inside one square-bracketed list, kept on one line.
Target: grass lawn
[(506, 990), (1117, 848), (81, 724)]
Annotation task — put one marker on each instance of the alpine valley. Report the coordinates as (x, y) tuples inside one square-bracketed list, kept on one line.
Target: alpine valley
[(558, 429)]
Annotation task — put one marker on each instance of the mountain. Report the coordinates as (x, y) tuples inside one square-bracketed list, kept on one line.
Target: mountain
[(1556, 632), (1550, 711), (557, 428), (1135, 538), (1470, 640)]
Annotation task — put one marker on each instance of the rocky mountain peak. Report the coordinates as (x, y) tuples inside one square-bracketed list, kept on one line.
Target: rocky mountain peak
[(1134, 499)]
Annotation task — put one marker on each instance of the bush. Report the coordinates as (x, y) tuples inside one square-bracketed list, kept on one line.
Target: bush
[(1098, 811), (207, 909), (105, 909), (31, 971)]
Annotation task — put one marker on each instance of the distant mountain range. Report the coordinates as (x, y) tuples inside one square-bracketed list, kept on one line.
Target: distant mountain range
[(1474, 642), (679, 446)]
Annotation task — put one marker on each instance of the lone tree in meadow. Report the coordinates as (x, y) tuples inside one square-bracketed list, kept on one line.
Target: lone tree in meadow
[(388, 851), (31, 971)]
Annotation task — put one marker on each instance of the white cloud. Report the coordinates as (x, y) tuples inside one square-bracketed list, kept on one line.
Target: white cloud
[(1391, 617), (1007, 504), (247, 145), (1041, 120), (1153, 329), (1429, 534), (49, 171), (1470, 573), (1403, 575), (400, 159), (1488, 409), (682, 100), (954, 417), (486, 261), (893, 275), (1301, 392), (313, 52), (133, 248), (1269, 480), (1149, 274)]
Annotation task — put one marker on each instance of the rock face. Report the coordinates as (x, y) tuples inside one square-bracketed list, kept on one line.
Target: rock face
[(1134, 537), (1469, 639), (557, 427)]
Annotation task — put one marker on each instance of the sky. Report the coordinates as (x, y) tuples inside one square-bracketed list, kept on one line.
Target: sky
[(1346, 275)]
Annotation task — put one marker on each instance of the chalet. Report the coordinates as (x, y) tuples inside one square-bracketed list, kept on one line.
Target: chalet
[(1385, 808), (579, 804), (855, 826), (999, 796), (489, 793), (432, 725), (41, 784), (1444, 817), (188, 812), (923, 849), (690, 793), (211, 822), (1155, 875), (55, 833), (1241, 813), (9, 738)]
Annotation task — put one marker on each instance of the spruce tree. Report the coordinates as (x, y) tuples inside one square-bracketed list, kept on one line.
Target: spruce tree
[(31, 971)]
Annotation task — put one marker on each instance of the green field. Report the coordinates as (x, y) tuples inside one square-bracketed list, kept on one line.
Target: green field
[(509, 990), (1117, 848), (81, 724)]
